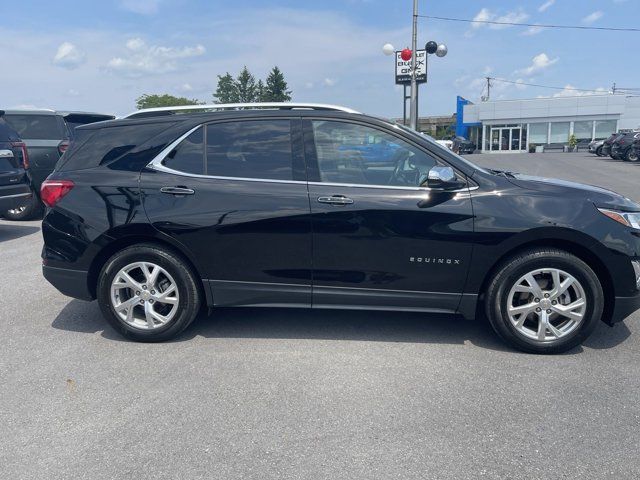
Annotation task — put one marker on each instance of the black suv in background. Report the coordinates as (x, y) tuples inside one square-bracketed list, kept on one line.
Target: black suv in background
[(14, 184), (621, 148), (462, 146), (607, 145), (47, 134), (274, 205)]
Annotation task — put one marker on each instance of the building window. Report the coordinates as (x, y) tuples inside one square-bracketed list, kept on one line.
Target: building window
[(538, 133), (559, 132), (583, 130), (604, 128)]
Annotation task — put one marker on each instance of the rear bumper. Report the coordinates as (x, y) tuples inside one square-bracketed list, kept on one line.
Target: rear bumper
[(72, 283), (13, 196)]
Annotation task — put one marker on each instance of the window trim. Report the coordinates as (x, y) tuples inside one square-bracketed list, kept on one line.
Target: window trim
[(156, 162), (314, 169)]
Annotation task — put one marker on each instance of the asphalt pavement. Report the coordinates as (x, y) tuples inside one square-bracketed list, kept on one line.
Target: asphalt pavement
[(287, 393)]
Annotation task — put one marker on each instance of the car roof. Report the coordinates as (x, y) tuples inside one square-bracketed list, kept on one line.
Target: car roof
[(30, 111)]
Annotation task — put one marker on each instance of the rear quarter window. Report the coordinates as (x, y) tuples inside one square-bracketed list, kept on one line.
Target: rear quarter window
[(36, 127), (90, 148)]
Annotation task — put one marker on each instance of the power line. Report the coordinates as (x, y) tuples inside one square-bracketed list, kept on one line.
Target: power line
[(538, 25)]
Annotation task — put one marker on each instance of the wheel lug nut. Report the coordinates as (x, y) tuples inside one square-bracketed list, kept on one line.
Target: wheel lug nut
[(548, 311), (137, 292), (546, 295), (144, 287), (554, 303), (153, 292), (538, 309), (141, 302), (150, 301), (537, 300)]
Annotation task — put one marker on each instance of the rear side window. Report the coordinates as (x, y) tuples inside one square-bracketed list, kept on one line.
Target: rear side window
[(90, 148), (7, 134), (188, 156), (36, 127), (258, 149)]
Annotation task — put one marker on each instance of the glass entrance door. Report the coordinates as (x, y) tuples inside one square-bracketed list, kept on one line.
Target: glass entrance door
[(506, 138)]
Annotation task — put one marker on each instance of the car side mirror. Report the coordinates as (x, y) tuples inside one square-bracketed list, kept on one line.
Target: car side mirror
[(443, 178)]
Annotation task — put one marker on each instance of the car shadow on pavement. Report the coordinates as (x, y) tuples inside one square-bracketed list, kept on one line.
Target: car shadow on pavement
[(11, 231), (350, 325)]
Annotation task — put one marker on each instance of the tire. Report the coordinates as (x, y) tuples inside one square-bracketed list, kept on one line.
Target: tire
[(599, 151), (178, 307), (562, 333), (31, 209), (631, 156)]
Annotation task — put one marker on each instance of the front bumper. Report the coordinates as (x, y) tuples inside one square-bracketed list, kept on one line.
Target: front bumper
[(72, 283)]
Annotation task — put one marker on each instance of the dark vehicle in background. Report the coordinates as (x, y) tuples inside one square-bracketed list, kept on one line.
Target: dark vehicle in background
[(595, 147), (621, 148), (157, 217), (606, 146), (462, 146), (636, 147), (14, 184), (47, 134)]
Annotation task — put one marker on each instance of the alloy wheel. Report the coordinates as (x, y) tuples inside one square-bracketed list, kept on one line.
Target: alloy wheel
[(144, 295), (546, 305)]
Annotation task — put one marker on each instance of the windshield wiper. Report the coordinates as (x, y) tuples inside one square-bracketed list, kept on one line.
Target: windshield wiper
[(504, 173)]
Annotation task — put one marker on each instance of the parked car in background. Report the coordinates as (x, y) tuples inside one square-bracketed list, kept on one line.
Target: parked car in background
[(46, 134), (606, 146), (446, 143), (160, 216), (621, 148), (596, 147), (636, 147), (462, 146), (14, 183)]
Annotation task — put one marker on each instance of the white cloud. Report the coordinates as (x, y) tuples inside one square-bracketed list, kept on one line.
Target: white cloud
[(69, 56), (538, 63), (593, 17), (534, 30), (143, 7), (486, 15), (329, 82), (546, 5), (142, 59), (570, 91)]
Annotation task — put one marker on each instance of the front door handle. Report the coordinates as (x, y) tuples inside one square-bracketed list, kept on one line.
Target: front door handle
[(336, 200), (177, 190)]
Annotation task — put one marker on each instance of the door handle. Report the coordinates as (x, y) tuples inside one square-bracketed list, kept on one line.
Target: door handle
[(336, 200), (177, 190)]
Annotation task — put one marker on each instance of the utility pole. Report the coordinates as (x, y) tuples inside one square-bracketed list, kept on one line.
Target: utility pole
[(488, 88), (413, 103), (613, 89)]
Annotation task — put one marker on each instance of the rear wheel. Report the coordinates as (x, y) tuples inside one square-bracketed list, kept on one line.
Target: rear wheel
[(31, 208), (544, 301), (599, 151), (632, 155), (148, 294)]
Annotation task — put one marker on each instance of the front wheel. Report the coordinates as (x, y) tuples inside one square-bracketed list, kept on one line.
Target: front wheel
[(599, 151), (148, 294), (632, 155), (544, 301)]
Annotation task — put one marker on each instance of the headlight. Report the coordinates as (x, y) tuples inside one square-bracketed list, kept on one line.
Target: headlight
[(626, 218)]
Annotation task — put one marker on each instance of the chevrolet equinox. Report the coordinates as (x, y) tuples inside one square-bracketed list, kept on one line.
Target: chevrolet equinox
[(172, 210)]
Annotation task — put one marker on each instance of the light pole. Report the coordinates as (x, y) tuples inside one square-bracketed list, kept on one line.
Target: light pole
[(413, 102)]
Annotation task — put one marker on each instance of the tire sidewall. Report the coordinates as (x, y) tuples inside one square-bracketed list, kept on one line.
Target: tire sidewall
[(187, 292), (31, 210), (511, 274)]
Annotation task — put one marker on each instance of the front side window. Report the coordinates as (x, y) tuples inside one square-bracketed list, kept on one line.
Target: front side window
[(259, 149), (356, 154)]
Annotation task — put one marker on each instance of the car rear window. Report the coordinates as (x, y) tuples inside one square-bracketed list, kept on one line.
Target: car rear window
[(7, 134), (35, 127)]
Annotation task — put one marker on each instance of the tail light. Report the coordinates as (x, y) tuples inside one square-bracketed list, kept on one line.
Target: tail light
[(25, 154), (52, 191), (63, 146)]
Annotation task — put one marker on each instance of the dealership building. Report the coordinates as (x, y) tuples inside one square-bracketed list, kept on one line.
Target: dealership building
[(513, 125)]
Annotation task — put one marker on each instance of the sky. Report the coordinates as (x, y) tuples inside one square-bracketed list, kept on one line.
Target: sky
[(101, 56)]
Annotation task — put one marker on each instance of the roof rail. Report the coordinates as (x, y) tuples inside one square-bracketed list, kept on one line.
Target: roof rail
[(151, 112)]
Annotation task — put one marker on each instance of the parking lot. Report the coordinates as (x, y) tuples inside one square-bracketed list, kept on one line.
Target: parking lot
[(287, 393)]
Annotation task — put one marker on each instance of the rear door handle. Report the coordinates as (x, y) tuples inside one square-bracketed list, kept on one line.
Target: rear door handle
[(177, 190), (336, 200)]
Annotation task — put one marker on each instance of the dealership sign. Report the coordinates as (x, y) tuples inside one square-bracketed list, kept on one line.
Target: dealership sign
[(403, 68)]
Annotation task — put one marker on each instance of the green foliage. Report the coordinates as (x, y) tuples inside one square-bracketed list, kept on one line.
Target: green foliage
[(245, 89), (166, 100), (573, 141)]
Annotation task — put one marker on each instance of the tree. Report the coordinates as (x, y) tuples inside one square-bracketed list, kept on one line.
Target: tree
[(166, 100), (227, 89), (260, 92), (247, 88), (276, 88)]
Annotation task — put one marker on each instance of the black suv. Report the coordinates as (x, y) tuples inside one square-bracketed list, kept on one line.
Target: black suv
[(14, 184), (274, 205), (47, 134), (621, 148), (607, 145), (462, 146)]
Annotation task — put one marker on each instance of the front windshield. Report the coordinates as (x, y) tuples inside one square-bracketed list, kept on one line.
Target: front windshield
[(433, 142)]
